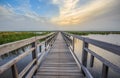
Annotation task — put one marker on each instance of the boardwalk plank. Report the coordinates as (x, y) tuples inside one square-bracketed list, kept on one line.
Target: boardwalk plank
[(59, 63)]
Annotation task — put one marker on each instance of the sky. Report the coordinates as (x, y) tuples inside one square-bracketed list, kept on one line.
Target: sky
[(59, 15)]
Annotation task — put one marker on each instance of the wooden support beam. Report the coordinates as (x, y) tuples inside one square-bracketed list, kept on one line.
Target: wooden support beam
[(91, 60), (15, 60), (14, 71), (104, 71), (45, 45), (32, 71), (84, 55), (34, 53), (40, 48), (8, 47), (25, 70), (73, 43)]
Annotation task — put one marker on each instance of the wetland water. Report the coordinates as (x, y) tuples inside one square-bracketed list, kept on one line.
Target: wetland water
[(21, 64)]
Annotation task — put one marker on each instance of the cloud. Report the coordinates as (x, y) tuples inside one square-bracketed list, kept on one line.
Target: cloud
[(29, 20), (20, 13), (91, 15), (71, 14), (5, 11)]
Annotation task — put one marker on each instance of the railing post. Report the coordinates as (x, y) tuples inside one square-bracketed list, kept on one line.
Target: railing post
[(91, 61), (34, 53), (104, 71), (14, 71), (84, 55), (40, 48), (73, 41), (68, 37), (52, 40), (46, 45)]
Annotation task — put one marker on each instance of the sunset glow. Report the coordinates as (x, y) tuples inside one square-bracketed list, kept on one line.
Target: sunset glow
[(70, 13), (59, 15)]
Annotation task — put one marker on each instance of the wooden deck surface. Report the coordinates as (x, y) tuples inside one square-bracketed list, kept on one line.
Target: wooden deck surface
[(59, 63)]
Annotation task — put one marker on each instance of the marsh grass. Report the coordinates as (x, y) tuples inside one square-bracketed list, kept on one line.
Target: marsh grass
[(6, 37)]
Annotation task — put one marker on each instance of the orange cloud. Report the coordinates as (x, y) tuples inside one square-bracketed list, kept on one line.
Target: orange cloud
[(71, 14)]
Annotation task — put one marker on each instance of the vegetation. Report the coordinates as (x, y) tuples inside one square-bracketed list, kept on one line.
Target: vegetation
[(6, 37), (95, 32)]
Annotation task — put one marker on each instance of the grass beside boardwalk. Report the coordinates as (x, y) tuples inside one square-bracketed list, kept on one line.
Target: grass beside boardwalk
[(94, 32), (6, 37)]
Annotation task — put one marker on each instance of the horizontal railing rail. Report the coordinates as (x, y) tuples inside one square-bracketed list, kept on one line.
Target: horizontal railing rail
[(37, 56), (115, 49), (5, 48)]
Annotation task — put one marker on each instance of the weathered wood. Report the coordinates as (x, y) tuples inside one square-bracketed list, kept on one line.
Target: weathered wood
[(81, 66), (59, 62), (59, 68), (15, 60), (104, 71), (25, 70), (71, 76), (60, 74), (91, 60), (84, 56), (40, 48), (34, 52), (106, 62), (107, 46), (30, 74), (55, 70), (45, 45), (73, 44), (115, 49), (84, 70), (14, 71), (6, 48), (33, 70), (18, 44)]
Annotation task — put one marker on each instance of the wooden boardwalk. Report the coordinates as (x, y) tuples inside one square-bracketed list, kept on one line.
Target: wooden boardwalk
[(59, 62)]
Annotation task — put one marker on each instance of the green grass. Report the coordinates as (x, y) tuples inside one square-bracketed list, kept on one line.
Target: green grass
[(6, 37), (95, 32)]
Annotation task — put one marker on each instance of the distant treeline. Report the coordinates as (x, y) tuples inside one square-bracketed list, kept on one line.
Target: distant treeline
[(94, 32), (6, 37)]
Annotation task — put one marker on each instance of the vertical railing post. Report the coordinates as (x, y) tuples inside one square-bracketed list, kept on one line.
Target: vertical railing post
[(34, 53), (84, 55), (73, 41), (91, 61), (14, 71), (46, 45), (52, 40), (69, 41), (40, 48), (104, 71)]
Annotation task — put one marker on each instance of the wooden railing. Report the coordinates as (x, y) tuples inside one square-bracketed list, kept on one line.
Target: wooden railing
[(30, 69), (85, 50)]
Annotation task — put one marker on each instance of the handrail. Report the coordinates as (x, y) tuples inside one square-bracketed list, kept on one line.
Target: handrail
[(15, 60), (32, 66), (107, 46), (5, 48)]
